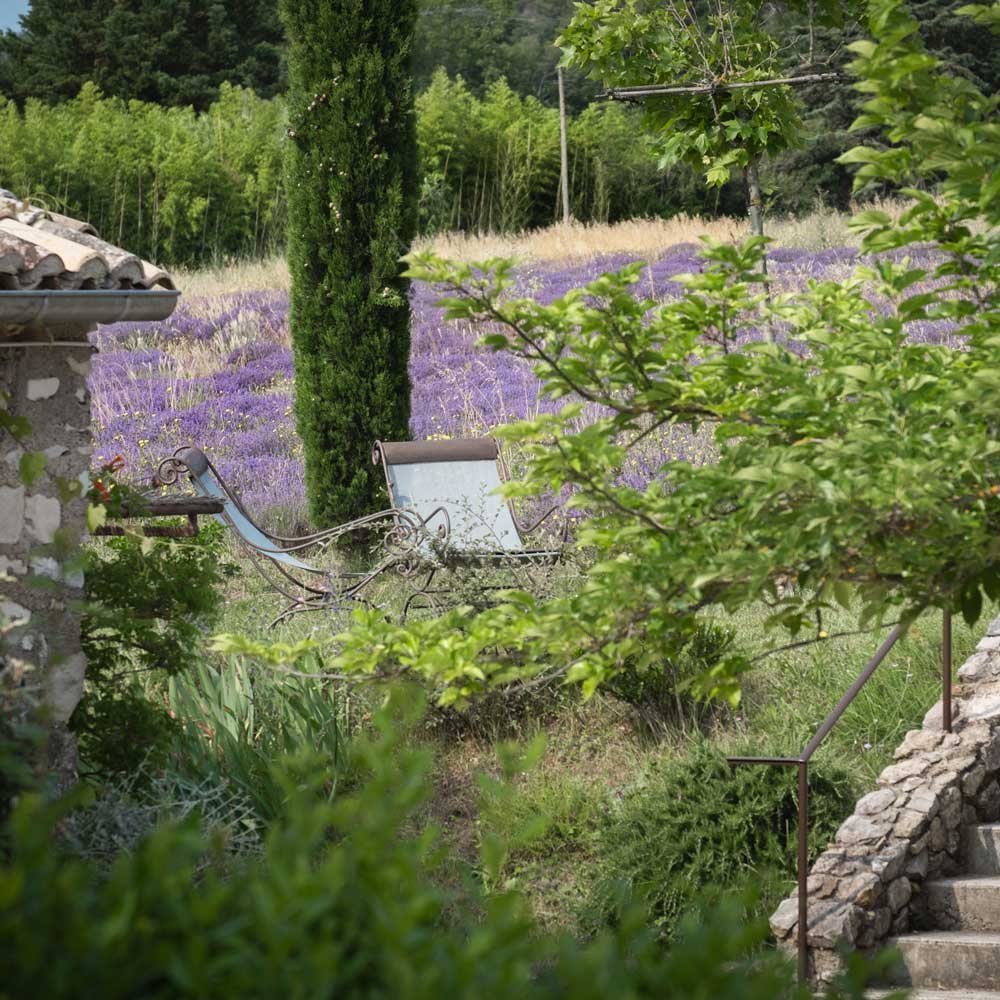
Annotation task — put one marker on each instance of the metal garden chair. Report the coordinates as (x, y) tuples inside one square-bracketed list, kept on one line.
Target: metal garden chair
[(281, 560), (448, 491)]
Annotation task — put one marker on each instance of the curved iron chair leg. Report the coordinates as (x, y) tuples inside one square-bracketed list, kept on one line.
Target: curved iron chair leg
[(422, 593)]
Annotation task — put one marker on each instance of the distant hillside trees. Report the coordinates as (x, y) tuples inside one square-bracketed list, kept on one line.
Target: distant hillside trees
[(351, 174), (485, 40), (172, 52)]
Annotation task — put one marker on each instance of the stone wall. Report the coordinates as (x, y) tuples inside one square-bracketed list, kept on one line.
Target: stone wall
[(867, 884), (40, 528)]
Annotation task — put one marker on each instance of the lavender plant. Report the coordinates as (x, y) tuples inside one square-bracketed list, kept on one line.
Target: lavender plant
[(219, 374)]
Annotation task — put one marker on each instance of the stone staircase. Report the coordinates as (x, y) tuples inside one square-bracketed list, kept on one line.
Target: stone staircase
[(916, 867), (958, 957)]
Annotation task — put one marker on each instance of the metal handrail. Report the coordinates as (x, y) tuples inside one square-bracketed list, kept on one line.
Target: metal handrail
[(802, 763)]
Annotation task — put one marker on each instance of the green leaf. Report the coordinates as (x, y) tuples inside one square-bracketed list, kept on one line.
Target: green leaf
[(97, 516), (31, 466), (870, 218), (861, 154), (862, 373), (755, 474), (972, 605)]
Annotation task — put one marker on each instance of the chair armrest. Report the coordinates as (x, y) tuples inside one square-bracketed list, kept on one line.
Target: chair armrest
[(443, 530), (526, 529)]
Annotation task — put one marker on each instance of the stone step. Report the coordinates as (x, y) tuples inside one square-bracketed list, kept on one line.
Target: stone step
[(968, 903), (935, 994), (981, 849), (949, 960)]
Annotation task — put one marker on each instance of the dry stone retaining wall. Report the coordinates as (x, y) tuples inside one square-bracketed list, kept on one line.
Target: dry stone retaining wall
[(867, 885), (40, 528)]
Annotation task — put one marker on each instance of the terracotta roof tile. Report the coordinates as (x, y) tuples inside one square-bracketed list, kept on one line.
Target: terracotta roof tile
[(40, 249)]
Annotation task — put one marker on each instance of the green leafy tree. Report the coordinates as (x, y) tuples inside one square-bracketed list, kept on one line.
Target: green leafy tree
[(351, 172), (174, 52), (854, 461), (714, 46)]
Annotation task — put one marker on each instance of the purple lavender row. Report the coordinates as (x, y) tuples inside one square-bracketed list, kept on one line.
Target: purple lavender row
[(219, 374)]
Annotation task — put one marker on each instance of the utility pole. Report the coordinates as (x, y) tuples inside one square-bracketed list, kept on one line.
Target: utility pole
[(563, 151)]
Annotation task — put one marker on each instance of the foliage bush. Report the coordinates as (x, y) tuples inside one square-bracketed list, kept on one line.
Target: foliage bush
[(149, 604), (697, 828), (344, 902), (658, 689)]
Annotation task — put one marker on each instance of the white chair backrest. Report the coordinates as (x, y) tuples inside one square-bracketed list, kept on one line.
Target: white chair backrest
[(480, 519), (461, 475)]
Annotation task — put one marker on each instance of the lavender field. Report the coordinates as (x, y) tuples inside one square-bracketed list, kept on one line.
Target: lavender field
[(219, 374)]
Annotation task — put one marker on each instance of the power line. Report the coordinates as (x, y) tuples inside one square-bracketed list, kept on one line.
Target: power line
[(662, 90)]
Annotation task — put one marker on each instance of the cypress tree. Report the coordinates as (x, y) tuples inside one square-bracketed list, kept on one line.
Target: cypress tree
[(351, 172)]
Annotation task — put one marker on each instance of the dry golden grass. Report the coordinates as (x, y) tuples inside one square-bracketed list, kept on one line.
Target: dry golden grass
[(240, 276), (579, 241), (645, 239), (648, 238)]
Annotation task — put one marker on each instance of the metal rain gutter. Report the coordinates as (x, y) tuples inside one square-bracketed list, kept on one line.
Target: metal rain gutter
[(52, 307)]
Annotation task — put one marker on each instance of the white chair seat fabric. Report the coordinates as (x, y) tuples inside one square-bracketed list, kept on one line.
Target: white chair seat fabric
[(480, 519)]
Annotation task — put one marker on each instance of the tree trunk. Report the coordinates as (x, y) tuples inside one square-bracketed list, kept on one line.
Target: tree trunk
[(563, 149), (756, 208), (754, 198)]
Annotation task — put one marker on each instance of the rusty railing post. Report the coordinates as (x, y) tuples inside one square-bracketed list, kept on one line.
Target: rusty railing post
[(946, 670), (803, 873), (802, 763)]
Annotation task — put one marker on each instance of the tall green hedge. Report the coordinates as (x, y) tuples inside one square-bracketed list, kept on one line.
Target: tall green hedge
[(351, 171)]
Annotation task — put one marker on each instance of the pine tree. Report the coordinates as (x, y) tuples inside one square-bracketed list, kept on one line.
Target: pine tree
[(166, 51), (351, 176)]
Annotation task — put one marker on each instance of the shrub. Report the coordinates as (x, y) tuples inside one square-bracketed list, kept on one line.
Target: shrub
[(698, 828), (149, 603), (344, 903), (657, 689)]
